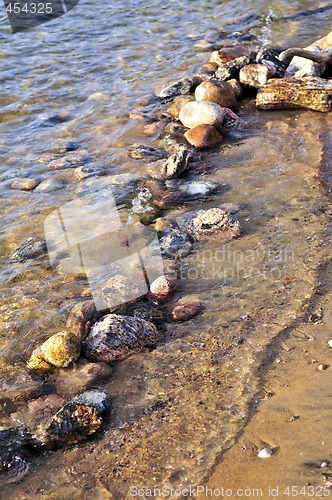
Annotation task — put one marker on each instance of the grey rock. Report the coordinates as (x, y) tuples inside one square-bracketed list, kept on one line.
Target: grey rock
[(116, 337), (13, 455), (86, 171), (141, 151), (175, 243), (49, 185), (182, 87), (176, 164), (231, 68), (31, 248), (211, 223)]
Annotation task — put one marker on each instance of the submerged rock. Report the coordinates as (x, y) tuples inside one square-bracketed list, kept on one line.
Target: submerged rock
[(24, 183), (164, 287), (186, 311), (76, 421), (203, 136), (141, 151), (31, 248), (116, 337), (49, 185), (176, 164), (147, 311), (82, 317), (211, 223), (221, 93), (184, 86), (175, 243), (143, 208), (58, 351), (69, 160), (199, 113), (13, 455)]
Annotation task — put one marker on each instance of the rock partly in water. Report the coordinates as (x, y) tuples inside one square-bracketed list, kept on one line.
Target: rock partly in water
[(147, 311), (24, 183), (203, 136), (76, 421), (31, 248), (221, 93), (42, 408), (199, 113), (230, 69), (82, 317), (211, 223), (49, 185), (164, 287), (182, 87), (86, 171), (58, 351), (255, 75), (186, 311), (80, 376), (116, 337), (141, 152), (17, 383), (199, 189), (231, 119), (176, 164), (69, 160), (174, 243)]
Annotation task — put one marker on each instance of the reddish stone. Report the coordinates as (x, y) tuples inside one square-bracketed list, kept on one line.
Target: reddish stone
[(186, 311), (203, 136), (221, 93), (164, 286)]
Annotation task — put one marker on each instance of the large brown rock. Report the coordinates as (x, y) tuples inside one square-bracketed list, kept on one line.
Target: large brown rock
[(198, 113), (221, 93), (203, 136)]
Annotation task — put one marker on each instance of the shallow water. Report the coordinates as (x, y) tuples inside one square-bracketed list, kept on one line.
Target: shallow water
[(176, 408)]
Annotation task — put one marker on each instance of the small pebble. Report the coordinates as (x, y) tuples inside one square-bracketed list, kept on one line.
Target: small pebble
[(265, 453), (322, 367), (24, 183), (324, 464), (329, 342), (49, 185)]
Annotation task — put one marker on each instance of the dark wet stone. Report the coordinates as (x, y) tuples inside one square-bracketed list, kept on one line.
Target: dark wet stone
[(140, 152), (31, 248), (211, 223), (182, 87), (231, 119), (17, 383), (174, 243), (176, 164), (82, 317), (13, 455), (231, 68), (116, 337), (270, 58), (50, 120), (71, 146), (184, 312), (76, 421), (147, 311)]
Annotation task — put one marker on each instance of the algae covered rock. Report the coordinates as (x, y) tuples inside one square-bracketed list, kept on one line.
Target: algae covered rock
[(116, 337), (58, 351)]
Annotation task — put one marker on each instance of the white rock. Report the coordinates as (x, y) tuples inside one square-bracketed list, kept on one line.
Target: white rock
[(329, 342), (265, 453), (201, 113)]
